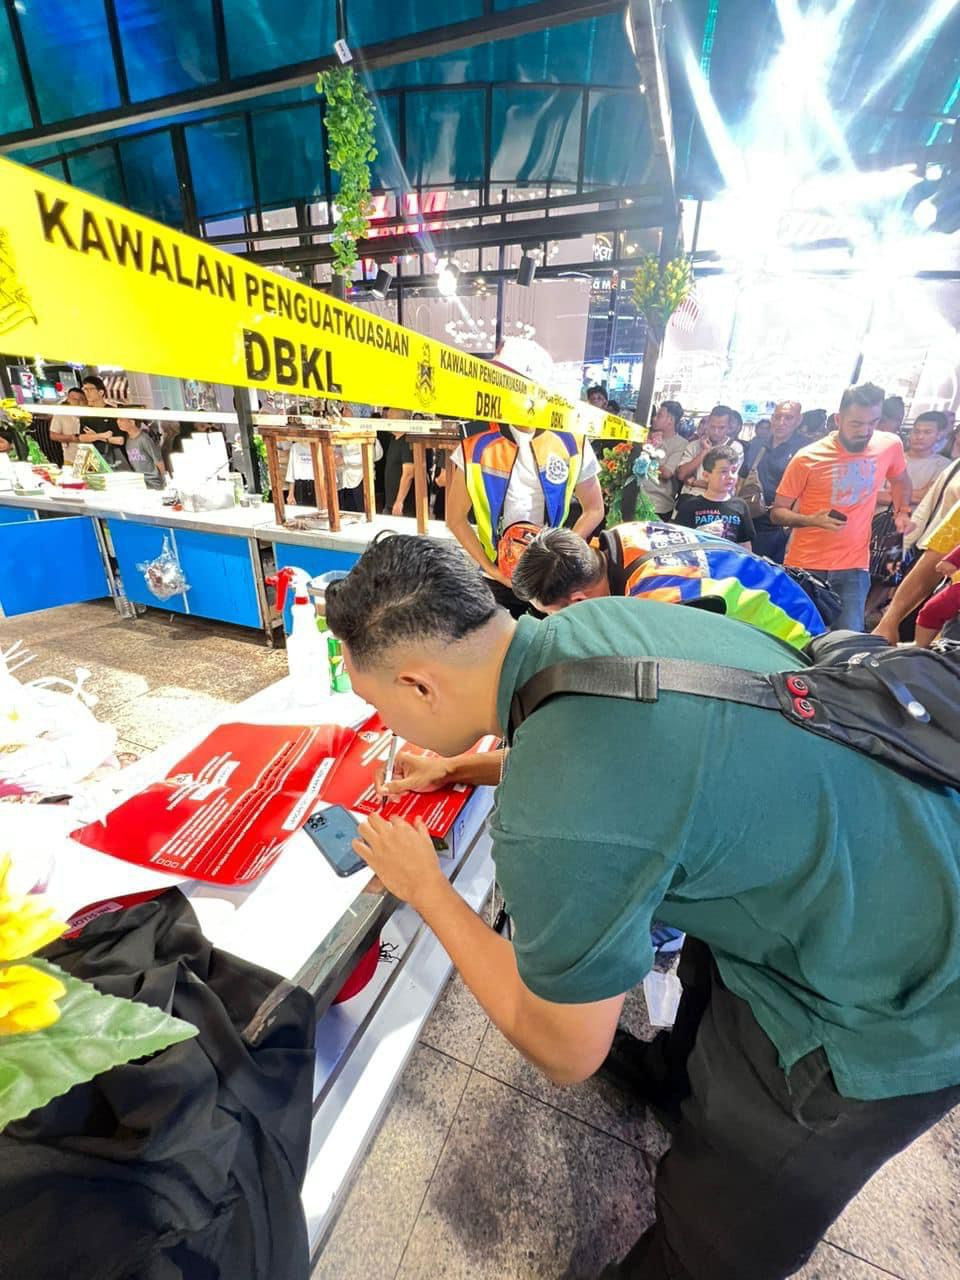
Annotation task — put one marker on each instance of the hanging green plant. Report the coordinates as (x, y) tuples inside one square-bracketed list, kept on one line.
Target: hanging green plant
[(349, 121), (659, 291)]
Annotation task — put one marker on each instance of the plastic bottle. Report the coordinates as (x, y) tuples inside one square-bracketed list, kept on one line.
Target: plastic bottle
[(307, 657), (339, 680)]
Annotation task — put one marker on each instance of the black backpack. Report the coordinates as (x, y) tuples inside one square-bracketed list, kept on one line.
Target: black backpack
[(899, 705)]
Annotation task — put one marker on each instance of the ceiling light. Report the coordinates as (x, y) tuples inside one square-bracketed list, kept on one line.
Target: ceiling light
[(448, 275), (381, 286), (526, 271), (933, 172)]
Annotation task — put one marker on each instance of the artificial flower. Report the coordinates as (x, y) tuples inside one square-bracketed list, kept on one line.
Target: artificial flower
[(26, 924), (28, 999)]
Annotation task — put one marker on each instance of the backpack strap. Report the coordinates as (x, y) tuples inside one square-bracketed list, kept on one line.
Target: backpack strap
[(640, 680)]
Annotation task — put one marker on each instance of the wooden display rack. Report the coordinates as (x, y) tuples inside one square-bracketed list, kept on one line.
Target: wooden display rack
[(322, 441), (446, 442)]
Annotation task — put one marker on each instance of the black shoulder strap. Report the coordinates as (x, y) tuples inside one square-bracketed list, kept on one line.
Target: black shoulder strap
[(639, 680)]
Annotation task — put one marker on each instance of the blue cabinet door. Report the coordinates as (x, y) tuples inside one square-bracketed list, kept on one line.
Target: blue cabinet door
[(45, 563), (220, 572), (134, 545), (217, 568), (15, 515)]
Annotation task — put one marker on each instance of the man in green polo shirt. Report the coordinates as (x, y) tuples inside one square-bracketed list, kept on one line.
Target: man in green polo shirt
[(815, 1038)]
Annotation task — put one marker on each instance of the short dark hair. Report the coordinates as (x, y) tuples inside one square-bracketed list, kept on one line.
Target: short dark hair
[(722, 454), (555, 564), (93, 381), (675, 410), (893, 406), (597, 387), (865, 396), (722, 411), (613, 406), (410, 590), (814, 419), (933, 415)]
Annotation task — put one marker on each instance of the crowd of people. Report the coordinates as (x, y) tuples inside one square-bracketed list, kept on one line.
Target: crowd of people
[(813, 1039), (851, 504)]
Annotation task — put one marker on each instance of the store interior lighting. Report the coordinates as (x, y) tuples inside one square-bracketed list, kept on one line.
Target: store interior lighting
[(383, 282), (448, 276)]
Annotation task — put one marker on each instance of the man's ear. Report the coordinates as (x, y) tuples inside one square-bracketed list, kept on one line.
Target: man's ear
[(420, 683)]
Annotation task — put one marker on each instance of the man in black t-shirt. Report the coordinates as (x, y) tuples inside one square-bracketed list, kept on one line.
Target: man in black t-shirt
[(770, 457), (717, 511), (398, 471)]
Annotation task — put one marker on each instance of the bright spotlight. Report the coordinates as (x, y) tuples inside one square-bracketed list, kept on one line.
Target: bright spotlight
[(448, 275), (925, 214), (933, 172)]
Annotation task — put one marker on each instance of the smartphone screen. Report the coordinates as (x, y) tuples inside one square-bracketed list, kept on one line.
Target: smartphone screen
[(837, 515), (333, 831)]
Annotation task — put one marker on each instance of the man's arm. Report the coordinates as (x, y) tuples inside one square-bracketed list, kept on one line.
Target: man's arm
[(458, 510), (567, 1042), (686, 472), (912, 591), (403, 488), (901, 491), (782, 513), (590, 496), (413, 772)]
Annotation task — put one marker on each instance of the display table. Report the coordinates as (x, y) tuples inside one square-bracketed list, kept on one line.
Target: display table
[(322, 442), (446, 442), (69, 549), (301, 921)]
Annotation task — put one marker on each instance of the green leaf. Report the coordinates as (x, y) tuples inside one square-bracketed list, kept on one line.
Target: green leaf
[(95, 1032)]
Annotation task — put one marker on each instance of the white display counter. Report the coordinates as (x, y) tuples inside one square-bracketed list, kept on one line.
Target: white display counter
[(299, 920)]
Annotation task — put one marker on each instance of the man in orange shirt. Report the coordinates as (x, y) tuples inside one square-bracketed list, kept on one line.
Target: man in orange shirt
[(828, 496)]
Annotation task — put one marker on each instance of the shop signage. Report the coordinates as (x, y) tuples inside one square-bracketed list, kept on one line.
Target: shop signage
[(81, 275)]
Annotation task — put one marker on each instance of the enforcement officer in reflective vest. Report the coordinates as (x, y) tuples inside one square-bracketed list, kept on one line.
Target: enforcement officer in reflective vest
[(648, 560), (515, 477)]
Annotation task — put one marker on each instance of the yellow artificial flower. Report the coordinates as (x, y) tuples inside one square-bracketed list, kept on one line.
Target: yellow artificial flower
[(28, 999), (26, 924)]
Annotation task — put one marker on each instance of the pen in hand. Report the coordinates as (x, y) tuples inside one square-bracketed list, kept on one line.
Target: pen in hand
[(391, 761)]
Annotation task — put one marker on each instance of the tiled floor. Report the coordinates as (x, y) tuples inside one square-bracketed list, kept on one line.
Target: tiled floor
[(482, 1170)]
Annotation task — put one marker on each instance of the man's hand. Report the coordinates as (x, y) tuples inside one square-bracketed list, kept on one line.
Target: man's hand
[(824, 520), (412, 772), (397, 509), (401, 856), (903, 522), (946, 568)]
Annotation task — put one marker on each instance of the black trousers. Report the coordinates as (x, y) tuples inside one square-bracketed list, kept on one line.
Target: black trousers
[(762, 1161)]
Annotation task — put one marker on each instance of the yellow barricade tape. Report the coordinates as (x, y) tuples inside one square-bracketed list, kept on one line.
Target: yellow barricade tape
[(86, 280)]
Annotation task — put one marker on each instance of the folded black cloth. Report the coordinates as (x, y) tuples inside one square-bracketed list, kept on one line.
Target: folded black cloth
[(187, 1164)]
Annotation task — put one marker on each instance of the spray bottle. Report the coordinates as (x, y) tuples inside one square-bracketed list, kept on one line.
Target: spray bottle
[(307, 656)]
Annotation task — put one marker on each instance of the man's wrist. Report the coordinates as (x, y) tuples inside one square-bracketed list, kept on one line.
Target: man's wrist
[(433, 897)]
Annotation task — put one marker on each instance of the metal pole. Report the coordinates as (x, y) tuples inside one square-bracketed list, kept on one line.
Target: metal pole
[(501, 263), (251, 469)]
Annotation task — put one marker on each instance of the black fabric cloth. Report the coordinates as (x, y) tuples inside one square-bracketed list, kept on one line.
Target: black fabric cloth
[(762, 1161), (399, 454), (115, 454), (769, 539), (695, 511), (183, 1166), (772, 465)]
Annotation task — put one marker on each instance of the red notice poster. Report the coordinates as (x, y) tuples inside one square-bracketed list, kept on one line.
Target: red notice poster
[(227, 808)]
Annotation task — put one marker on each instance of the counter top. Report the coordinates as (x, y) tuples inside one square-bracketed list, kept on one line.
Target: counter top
[(145, 507), (355, 535)]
